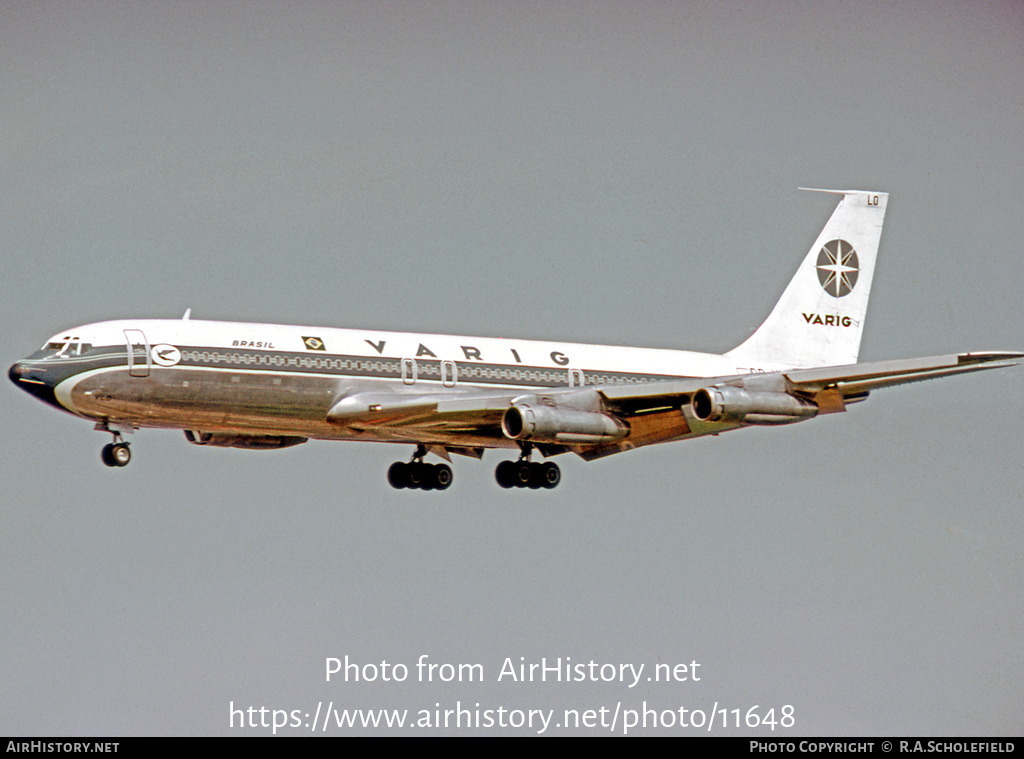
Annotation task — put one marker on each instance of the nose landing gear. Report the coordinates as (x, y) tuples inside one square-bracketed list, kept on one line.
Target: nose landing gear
[(117, 453)]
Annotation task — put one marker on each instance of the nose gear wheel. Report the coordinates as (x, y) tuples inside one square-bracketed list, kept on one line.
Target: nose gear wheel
[(116, 454)]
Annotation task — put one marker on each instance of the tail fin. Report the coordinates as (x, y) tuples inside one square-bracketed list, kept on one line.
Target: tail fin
[(819, 319)]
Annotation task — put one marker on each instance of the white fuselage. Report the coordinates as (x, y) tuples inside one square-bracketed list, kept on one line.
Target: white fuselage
[(247, 378)]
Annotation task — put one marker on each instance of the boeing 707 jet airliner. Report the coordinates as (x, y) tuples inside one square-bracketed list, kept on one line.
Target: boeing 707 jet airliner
[(265, 386)]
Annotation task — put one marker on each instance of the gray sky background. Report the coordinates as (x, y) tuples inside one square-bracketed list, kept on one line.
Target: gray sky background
[(608, 173)]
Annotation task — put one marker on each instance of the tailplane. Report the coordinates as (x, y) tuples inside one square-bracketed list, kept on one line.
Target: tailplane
[(819, 319)]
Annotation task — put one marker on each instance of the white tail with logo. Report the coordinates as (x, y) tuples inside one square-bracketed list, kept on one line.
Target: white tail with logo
[(819, 319)]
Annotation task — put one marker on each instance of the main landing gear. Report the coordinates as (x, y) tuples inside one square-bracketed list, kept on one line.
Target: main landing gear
[(528, 474), (417, 475)]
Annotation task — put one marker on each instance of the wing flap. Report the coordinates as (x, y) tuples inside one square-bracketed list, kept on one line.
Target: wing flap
[(647, 429)]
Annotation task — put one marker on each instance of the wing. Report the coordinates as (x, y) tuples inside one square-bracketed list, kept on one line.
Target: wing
[(852, 382), (597, 421), (681, 409)]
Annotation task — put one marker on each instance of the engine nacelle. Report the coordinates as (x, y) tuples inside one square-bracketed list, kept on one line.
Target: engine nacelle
[(724, 403), (237, 440), (556, 424)]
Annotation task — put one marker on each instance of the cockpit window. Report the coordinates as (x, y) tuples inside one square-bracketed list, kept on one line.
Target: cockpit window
[(67, 346)]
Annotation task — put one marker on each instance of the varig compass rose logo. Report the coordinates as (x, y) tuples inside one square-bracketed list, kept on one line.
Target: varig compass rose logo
[(838, 268)]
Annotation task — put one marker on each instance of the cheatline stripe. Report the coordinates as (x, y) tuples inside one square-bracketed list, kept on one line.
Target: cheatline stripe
[(383, 368)]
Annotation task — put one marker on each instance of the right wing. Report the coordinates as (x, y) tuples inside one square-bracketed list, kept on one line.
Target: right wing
[(662, 411), (597, 421), (852, 381)]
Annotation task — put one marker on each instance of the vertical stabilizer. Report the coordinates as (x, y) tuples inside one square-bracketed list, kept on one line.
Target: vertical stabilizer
[(819, 319)]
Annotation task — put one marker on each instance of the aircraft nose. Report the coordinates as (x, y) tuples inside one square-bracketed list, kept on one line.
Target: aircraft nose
[(34, 381)]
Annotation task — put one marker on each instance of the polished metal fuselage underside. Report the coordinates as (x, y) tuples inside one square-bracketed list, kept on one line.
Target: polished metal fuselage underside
[(260, 392), (274, 403)]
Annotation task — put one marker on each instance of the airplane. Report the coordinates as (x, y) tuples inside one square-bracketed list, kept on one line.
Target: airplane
[(269, 386)]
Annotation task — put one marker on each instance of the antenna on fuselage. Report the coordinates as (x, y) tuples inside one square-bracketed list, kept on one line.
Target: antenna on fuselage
[(186, 315)]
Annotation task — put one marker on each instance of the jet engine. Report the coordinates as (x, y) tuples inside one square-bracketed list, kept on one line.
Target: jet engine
[(540, 423), (237, 440), (724, 403)]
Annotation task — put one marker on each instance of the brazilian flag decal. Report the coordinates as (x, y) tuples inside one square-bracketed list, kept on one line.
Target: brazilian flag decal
[(314, 343)]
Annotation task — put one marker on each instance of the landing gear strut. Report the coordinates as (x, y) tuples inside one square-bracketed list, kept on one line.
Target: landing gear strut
[(528, 474), (417, 475)]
